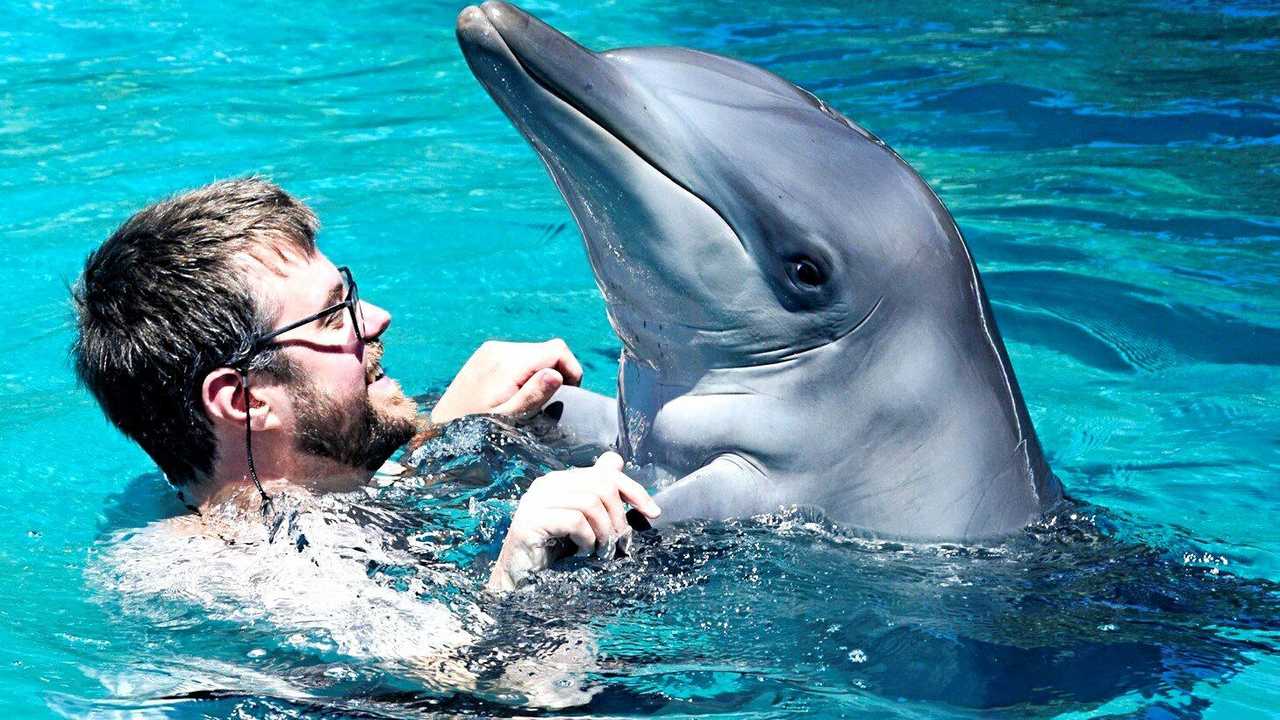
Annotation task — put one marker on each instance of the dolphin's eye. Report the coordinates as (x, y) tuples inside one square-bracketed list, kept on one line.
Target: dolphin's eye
[(805, 272)]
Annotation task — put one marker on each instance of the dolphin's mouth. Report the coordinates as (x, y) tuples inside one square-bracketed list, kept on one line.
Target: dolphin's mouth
[(494, 28), (503, 30), (482, 26), (554, 64)]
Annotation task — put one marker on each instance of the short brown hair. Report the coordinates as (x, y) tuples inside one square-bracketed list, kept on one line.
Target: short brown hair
[(163, 302)]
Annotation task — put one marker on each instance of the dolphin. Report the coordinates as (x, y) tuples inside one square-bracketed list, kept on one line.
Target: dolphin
[(802, 323)]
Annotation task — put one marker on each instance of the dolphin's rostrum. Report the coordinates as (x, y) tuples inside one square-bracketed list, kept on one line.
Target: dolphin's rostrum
[(801, 321)]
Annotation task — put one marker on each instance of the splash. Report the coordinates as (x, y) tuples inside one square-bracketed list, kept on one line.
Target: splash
[(371, 602)]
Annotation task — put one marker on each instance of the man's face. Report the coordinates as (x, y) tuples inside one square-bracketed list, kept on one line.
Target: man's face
[(340, 405)]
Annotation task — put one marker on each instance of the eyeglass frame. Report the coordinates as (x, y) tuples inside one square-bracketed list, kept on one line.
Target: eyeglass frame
[(241, 361)]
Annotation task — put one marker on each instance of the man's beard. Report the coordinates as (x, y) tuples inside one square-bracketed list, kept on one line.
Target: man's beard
[(360, 434)]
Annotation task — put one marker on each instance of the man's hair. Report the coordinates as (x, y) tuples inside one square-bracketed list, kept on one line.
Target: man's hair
[(164, 301)]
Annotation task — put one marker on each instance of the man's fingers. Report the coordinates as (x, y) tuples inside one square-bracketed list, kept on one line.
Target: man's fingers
[(592, 507), (617, 513), (573, 525), (531, 396), (630, 490), (611, 464), (634, 493), (568, 523), (610, 461), (584, 536), (565, 362)]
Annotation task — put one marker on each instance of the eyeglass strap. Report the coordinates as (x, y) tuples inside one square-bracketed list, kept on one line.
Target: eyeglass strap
[(248, 442)]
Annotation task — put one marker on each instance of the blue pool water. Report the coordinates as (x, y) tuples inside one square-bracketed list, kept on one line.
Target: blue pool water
[(1115, 168)]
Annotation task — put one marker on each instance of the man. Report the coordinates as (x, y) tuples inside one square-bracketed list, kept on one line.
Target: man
[(214, 333)]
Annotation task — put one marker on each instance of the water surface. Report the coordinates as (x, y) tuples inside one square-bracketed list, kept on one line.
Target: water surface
[(1115, 169)]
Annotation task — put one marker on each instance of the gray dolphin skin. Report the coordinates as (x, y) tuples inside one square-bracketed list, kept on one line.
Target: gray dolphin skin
[(802, 323)]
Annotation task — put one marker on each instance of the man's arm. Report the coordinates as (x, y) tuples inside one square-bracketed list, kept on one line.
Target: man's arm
[(584, 505), (506, 378)]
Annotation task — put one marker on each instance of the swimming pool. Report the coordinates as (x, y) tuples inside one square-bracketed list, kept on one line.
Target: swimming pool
[(1115, 170)]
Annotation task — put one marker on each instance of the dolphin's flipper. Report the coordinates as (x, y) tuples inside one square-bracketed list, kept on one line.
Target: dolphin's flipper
[(727, 487), (578, 418)]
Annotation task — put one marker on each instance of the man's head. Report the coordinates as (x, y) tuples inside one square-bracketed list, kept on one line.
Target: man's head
[(183, 287)]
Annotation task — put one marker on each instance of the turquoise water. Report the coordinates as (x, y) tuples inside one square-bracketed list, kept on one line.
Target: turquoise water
[(1115, 168)]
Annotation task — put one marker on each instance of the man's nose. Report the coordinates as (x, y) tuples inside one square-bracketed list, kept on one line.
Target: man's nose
[(375, 318)]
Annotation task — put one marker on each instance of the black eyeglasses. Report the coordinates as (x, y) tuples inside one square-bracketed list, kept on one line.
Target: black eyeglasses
[(242, 360)]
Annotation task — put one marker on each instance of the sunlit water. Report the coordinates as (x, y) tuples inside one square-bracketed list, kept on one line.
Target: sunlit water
[(1115, 169)]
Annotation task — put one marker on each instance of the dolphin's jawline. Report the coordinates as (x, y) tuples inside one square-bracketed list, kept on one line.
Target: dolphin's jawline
[(841, 336)]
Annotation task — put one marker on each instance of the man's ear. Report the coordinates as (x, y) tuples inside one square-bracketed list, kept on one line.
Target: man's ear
[(223, 398)]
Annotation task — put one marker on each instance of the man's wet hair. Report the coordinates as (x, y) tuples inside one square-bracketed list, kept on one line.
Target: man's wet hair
[(165, 300)]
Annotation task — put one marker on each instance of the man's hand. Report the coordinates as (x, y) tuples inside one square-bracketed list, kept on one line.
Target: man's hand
[(508, 378), (585, 505)]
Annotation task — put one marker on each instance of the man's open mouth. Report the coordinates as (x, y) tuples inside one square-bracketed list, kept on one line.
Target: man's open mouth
[(373, 371)]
